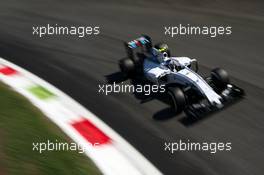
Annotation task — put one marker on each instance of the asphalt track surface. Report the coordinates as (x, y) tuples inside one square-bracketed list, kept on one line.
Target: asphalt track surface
[(78, 65)]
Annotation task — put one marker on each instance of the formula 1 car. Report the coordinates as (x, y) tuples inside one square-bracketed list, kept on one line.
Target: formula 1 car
[(188, 91)]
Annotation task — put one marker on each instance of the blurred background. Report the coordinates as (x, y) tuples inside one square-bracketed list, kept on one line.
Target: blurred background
[(77, 65)]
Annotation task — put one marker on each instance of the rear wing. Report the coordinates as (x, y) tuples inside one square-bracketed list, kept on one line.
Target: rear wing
[(141, 44)]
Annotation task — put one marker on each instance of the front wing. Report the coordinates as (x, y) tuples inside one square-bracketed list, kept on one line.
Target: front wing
[(229, 96)]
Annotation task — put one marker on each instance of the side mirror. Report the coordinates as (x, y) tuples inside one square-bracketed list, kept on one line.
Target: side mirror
[(194, 65)]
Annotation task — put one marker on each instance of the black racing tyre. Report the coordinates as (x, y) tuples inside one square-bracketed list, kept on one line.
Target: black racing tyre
[(178, 99), (220, 78), (138, 59), (127, 66)]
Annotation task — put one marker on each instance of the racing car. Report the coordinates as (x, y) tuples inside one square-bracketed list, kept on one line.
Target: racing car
[(189, 92)]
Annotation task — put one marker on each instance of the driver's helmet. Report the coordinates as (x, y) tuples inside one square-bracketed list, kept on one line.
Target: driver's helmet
[(163, 51), (163, 48)]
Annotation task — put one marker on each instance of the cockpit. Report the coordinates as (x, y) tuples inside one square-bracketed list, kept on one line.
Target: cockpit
[(174, 65)]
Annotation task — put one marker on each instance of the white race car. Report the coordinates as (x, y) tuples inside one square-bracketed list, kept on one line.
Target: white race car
[(188, 91)]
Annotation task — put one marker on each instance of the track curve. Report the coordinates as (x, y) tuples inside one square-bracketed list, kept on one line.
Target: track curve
[(77, 66)]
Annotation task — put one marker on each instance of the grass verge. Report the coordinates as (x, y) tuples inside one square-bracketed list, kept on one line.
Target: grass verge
[(21, 124)]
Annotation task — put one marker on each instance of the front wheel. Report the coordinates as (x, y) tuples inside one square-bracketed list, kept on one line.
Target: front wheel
[(220, 78), (178, 99)]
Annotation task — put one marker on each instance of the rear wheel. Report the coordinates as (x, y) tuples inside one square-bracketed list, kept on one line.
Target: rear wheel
[(127, 67), (177, 99)]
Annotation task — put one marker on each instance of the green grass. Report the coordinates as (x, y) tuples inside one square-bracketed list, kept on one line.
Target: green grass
[(21, 124)]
